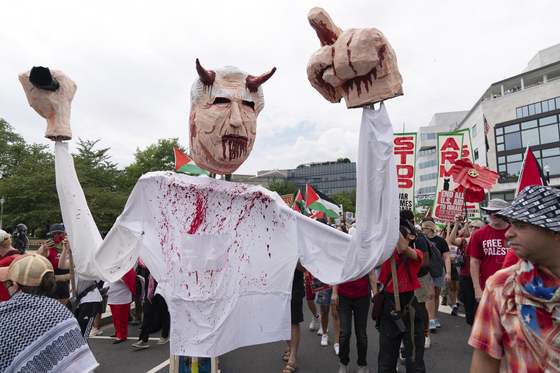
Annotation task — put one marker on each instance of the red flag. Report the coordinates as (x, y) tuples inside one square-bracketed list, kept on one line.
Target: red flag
[(130, 280), (531, 173), (429, 213)]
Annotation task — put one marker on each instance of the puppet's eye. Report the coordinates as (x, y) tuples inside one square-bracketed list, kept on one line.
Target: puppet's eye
[(251, 104), (221, 100)]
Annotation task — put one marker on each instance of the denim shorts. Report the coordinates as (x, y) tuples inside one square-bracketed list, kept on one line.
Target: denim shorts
[(439, 281), (323, 297)]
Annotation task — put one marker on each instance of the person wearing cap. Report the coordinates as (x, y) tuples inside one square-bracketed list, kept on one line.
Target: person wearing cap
[(517, 323), (487, 247), (32, 325), (7, 256), (52, 250)]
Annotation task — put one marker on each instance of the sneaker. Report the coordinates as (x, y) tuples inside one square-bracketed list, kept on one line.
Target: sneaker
[(454, 311), (141, 344), (444, 301), (363, 369), (315, 322), (336, 349), (438, 325), (432, 326), (459, 303), (427, 342), (342, 368), (162, 341), (402, 359), (320, 331), (94, 331), (325, 340)]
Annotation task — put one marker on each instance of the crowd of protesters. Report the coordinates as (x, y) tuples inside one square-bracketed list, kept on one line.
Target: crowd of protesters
[(480, 271)]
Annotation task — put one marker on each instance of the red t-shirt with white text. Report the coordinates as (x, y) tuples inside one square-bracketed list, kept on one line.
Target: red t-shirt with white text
[(489, 246)]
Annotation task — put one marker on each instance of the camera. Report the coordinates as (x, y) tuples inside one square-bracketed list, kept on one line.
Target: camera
[(50, 236)]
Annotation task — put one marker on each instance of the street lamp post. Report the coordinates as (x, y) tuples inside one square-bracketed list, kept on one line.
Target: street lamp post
[(547, 170)]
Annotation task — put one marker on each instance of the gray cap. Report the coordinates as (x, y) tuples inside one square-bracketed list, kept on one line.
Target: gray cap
[(495, 204), (537, 205), (57, 227)]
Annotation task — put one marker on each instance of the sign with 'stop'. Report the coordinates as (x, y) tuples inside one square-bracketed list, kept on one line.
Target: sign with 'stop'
[(404, 145)]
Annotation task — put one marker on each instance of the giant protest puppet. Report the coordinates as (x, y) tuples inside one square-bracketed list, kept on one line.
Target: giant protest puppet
[(223, 253)]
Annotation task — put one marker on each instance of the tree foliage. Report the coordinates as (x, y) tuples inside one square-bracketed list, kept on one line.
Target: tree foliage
[(99, 179), (346, 203), (282, 187), (343, 160), (156, 157)]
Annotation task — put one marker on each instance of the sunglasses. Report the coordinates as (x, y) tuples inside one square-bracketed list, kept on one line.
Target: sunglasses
[(474, 227)]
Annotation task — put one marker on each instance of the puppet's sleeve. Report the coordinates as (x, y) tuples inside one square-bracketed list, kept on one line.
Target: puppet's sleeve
[(334, 257), (94, 258)]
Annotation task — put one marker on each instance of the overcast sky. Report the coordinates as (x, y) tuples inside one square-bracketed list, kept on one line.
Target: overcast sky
[(134, 63)]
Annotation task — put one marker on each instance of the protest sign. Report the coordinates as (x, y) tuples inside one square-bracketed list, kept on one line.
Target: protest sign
[(405, 158)]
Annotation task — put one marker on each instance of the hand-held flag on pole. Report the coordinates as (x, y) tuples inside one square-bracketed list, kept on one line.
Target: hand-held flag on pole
[(315, 200), (186, 165), (531, 173), (299, 204)]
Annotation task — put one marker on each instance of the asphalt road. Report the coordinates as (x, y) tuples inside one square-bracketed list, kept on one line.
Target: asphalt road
[(449, 352)]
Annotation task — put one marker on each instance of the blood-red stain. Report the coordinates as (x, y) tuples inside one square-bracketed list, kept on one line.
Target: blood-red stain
[(237, 146), (325, 35)]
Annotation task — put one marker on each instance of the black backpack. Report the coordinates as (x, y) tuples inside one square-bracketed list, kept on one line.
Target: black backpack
[(436, 259)]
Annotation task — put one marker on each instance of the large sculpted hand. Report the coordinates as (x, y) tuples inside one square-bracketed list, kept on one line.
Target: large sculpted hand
[(50, 93), (357, 64)]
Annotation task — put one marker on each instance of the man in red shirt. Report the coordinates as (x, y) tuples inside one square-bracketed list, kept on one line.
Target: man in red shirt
[(390, 335), (487, 247)]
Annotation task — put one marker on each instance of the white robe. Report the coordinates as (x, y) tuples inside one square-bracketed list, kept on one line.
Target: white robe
[(224, 253)]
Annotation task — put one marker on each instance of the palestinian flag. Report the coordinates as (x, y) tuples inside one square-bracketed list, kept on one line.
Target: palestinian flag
[(531, 173), (186, 165), (320, 202), (299, 204)]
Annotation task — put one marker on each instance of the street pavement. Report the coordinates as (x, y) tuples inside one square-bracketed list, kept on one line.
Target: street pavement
[(449, 351)]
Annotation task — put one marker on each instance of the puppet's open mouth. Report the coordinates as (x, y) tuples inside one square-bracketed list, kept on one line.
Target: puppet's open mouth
[(236, 146)]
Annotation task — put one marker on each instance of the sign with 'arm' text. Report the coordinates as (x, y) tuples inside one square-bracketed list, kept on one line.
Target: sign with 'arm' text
[(405, 157)]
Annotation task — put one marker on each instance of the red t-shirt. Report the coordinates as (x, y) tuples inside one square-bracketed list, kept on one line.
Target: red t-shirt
[(489, 246), (5, 261), (405, 282), (354, 289), (510, 259)]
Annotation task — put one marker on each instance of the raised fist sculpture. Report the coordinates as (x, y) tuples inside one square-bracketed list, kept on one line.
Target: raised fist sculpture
[(50, 93), (225, 104), (357, 64)]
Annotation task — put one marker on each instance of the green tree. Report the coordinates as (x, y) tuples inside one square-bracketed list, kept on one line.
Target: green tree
[(350, 194), (346, 203), (343, 160), (27, 182), (12, 148), (156, 157), (282, 187), (99, 178)]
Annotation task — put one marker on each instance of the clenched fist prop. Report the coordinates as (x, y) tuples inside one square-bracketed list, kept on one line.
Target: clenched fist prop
[(50, 93), (357, 64)]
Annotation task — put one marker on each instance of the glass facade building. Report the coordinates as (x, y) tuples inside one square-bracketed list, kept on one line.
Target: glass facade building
[(330, 177)]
